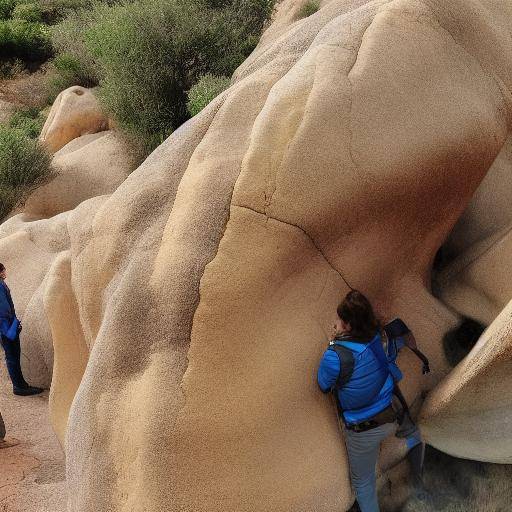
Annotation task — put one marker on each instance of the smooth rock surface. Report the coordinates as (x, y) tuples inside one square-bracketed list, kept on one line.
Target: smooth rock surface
[(88, 166), (75, 112), (201, 290)]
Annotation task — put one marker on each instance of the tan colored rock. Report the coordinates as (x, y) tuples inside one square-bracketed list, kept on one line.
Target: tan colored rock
[(89, 166), (74, 113), (344, 153), (28, 248), (476, 283), (467, 414), (204, 287)]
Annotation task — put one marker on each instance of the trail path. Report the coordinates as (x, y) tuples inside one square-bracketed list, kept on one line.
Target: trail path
[(32, 474)]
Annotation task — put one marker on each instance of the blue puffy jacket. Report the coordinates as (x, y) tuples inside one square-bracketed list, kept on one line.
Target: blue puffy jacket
[(370, 389), (7, 312)]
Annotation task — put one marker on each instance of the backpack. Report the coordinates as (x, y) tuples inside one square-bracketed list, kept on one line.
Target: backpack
[(347, 361)]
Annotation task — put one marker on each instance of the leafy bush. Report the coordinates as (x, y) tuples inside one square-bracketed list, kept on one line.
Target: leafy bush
[(6, 8), (65, 71), (28, 12), (74, 64), (24, 40), (309, 8), (24, 164), (11, 68), (208, 87), (30, 121), (185, 39), (54, 11)]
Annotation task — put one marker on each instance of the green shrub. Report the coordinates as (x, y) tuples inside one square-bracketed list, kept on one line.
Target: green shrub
[(147, 54), (6, 8), (11, 68), (28, 12), (207, 88), (24, 164), (148, 95), (63, 72), (30, 121), (185, 39), (24, 40), (308, 8), (54, 11), (74, 64)]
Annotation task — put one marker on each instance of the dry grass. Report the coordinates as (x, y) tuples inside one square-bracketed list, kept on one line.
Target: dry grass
[(458, 485)]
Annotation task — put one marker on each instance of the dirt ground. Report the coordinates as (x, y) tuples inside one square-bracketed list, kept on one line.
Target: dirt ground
[(32, 474)]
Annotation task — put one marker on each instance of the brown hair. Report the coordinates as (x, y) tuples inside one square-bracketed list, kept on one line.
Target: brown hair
[(356, 310), (2, 267)]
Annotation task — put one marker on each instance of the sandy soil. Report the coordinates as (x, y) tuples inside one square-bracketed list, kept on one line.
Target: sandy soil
[(32, 474)]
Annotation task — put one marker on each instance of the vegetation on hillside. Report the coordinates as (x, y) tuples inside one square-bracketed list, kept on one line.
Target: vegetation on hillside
[(24, 165), (145, 76), (155, 63), (208, 87)]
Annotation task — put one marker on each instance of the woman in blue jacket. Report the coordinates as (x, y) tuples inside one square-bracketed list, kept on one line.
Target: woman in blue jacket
[(9, 331), (356, 368)]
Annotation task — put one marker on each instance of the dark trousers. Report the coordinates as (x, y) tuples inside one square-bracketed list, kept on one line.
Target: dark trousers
[(12, 351), (2, 427)]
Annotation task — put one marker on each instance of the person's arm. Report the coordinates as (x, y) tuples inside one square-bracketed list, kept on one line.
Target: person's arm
[(410, 343), (328, 370), (5, 302), (398, 329), (11, 302)]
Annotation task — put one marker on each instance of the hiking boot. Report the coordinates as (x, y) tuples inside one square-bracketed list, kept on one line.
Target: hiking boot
[(29, 390)]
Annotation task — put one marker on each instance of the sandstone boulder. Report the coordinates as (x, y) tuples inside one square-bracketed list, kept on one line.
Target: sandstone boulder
[(342, 155), (196, 299), (467, 414), (88, 166), (75, 112)]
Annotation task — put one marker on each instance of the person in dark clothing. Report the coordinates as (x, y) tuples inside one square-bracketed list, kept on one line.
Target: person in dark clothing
[(10, 329)]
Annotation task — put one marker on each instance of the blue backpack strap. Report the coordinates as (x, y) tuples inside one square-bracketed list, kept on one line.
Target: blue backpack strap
[(347, 362)]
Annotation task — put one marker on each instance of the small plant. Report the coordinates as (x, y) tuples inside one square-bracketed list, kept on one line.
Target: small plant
[(24, 165), (11, 68), (207, 88), (308, 8), (28, 12), (30, 121)]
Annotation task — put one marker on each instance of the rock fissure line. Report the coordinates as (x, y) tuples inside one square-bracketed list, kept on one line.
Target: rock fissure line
[(268, 217)]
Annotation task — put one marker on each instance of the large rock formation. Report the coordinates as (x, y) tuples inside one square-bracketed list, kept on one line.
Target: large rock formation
[(196, 299)]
